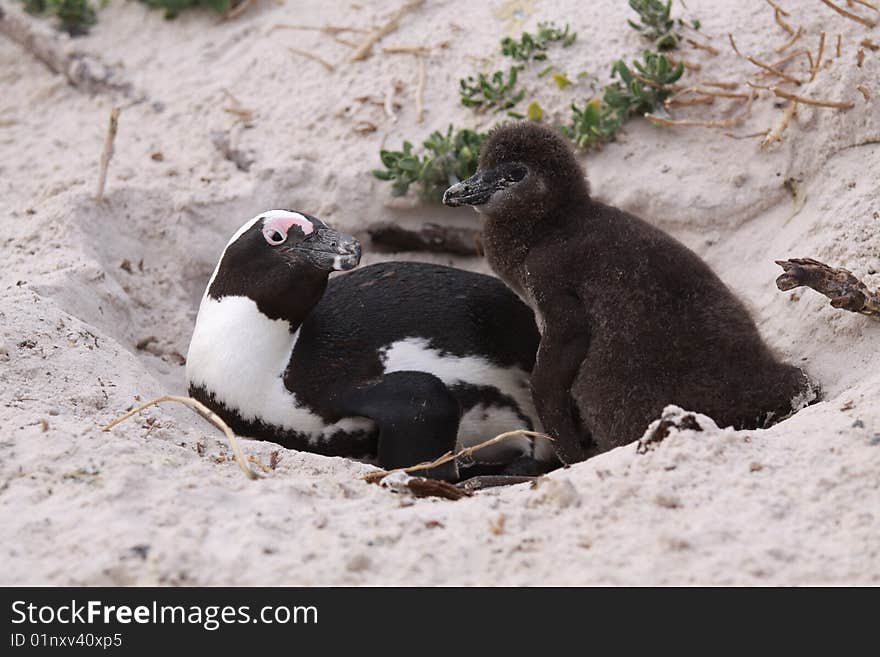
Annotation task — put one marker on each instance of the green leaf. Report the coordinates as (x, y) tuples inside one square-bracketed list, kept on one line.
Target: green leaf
[(561, 81), (534, 111)]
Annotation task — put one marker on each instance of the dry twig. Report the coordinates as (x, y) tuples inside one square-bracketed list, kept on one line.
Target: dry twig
[(817, 63), (862, 89), (237, 10), (794, 37), (726, 123), (363, 50), (206, 413), (776, 133), (408, 50), (372, 477), (82, 70), (703, 46), (835, 104), (845, 290), (785, 26), (420, 91), (308, 55), (326, 29), (733, 45), (776, 7), (867, 22), (107, 153), (775, 71)]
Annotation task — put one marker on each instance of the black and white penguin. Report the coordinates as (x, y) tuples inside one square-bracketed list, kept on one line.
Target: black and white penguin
[(399, 360), (631, 319)]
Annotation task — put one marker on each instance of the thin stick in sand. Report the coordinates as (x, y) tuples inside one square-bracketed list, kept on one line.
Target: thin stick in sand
[(82, 70), (839, 43), (408, 50), (834, 104), (326, 29), (817, 63), (315, 58), (840, 285), (867, 22), (420, 91), (687, 123), (864, 4), (719, 83), (702, 46), (107, 153), (785, 26), (373, 477), (733, 45), (388, 105), (794, 37), (238, 10), (776, 133), (795, 53), (363, 50), (206, 413), (862, 89), (777, 8), (775, 71)]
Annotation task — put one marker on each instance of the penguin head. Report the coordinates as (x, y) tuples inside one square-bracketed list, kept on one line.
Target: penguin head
[(525, 169), (280, 255)]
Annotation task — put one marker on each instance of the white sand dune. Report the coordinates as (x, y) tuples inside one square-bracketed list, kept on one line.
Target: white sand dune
[(159, 500)]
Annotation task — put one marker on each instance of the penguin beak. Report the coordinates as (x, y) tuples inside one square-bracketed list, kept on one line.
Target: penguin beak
[(329, 250), (476, 190)]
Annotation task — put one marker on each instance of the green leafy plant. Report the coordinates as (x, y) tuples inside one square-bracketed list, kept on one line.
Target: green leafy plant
[(75, 16), (498, 91), (631, 93), (655, 23), (529, 46), (447, 159), (173, 7)]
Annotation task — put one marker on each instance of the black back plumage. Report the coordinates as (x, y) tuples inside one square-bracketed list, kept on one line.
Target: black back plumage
[(459, 313)]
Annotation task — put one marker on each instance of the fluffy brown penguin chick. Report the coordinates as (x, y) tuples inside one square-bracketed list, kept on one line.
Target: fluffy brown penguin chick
[(631, 320)]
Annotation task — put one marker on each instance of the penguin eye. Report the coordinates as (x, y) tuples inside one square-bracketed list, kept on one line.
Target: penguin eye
[(274, 237), (516, 174)]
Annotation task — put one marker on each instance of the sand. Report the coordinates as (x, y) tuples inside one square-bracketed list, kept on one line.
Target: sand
[(160, 501)]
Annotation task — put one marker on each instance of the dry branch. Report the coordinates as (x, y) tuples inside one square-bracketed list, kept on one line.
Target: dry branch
[(772, 69), (373, 477), (326, 29), (794, 37), (776, 133), (702, 46), (817, 63), (363, 50), (836, 104), (785, 26), (687, 123), (420, 91), (315, 58), (237, 10), (845, 290), (107, 153), (82, 70), (776, 7), (206, 413), (433, 238), (867, 22)]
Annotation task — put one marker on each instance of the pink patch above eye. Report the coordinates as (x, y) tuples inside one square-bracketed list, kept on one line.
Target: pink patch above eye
[(283, 223)]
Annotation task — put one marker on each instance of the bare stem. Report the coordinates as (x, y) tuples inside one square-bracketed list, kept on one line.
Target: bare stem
[(206, 413)]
